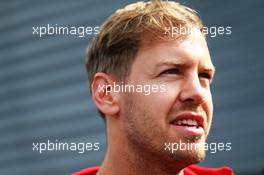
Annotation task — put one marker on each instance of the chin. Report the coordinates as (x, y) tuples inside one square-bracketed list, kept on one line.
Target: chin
[(194, 156), (188, 157), (197, 154), (198, 157)]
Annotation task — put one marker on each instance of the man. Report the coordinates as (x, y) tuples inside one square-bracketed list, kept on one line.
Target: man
[(159, 45)]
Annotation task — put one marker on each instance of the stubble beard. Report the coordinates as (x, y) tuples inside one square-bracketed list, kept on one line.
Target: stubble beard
[(142, 135)]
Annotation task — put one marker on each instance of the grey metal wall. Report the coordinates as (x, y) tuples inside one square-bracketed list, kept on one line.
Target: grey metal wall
[(44, 93)]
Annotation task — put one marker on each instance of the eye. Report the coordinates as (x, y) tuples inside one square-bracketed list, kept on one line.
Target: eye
[(205, 75), (171, 71)]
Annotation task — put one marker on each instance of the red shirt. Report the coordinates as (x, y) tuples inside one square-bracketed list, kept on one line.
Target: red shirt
[(190, 170)]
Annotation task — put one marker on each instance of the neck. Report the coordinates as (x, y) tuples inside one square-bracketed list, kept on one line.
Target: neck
[(122, 159)]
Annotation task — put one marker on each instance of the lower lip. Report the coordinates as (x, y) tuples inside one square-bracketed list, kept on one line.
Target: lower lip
[(189, 131)]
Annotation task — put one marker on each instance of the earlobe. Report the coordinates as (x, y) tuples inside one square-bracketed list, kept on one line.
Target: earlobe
[(103, 96)]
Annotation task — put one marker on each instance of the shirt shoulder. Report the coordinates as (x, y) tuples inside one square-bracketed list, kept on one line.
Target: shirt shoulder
[(87, 171), (197, 170)]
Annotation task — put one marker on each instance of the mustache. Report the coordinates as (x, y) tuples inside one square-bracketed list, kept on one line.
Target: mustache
[(190, 106)]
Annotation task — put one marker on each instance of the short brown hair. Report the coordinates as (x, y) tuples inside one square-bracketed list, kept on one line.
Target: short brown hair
[(113, 50)]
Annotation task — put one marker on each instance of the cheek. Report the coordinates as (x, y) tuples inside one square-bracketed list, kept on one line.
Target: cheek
[(208, 108), (159, 103), (155, 105)]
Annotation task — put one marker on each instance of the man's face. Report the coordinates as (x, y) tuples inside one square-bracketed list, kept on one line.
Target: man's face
[(185, 70)]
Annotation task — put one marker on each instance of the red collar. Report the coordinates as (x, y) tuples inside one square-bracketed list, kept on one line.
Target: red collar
[(190, 170)]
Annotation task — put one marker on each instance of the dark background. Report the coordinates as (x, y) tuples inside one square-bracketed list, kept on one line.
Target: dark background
[(44, 90)]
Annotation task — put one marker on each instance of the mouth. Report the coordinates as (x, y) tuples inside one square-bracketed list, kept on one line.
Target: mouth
[(189, 124)]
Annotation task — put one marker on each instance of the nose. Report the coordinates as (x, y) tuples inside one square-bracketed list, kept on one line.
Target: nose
[(192, 90)]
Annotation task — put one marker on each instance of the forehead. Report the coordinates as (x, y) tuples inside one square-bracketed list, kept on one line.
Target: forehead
[(192, 50)]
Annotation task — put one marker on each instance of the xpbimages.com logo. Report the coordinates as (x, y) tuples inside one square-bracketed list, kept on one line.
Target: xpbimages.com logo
[(146, 89), (80, 31), (56, 145), (211, 147), (212, 31)]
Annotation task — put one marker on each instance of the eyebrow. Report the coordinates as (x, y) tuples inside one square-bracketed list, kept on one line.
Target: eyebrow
[(170, 63), (182, 64), (211, 70)]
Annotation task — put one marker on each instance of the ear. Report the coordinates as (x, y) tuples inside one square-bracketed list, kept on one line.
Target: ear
[(104, 98)]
